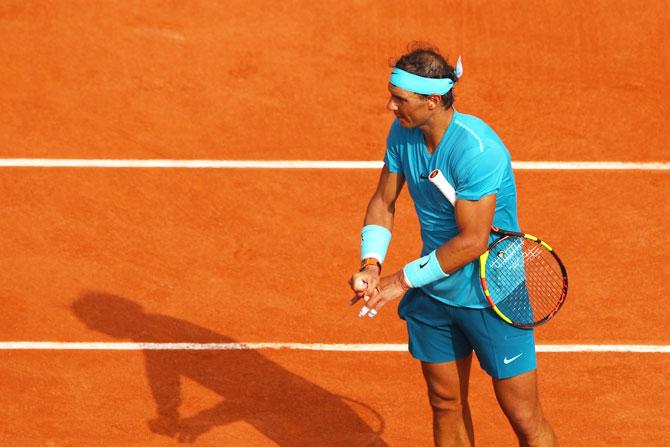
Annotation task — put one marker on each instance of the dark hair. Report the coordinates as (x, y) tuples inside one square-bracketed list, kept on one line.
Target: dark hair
[(424, 60)]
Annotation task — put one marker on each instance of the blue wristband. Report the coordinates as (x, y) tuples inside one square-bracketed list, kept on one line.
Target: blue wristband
[(423, 271), (375, 241)]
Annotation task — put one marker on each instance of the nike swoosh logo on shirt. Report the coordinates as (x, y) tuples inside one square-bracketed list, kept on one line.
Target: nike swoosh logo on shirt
[(508, 361)]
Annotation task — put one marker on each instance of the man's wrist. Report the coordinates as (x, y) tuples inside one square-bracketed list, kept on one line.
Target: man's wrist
[(371, 263), (372, 269), (424, 271), (375, 241), (404, 283)]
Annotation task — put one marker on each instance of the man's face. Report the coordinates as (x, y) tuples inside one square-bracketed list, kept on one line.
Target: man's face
[(410, 109)]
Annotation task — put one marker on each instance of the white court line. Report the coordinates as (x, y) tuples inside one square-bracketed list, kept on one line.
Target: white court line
[(342, 347), (302, 164)]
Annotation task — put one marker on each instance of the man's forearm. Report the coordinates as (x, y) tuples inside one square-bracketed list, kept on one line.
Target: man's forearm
[(459, 251), (379, 213)]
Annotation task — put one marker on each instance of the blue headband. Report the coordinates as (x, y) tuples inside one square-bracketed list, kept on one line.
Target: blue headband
[(418, 84)]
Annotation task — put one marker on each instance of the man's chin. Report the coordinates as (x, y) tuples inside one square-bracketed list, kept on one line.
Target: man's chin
[(405, 124)]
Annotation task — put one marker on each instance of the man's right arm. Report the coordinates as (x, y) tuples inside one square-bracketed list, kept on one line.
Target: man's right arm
[(380, 211), (381, 208)]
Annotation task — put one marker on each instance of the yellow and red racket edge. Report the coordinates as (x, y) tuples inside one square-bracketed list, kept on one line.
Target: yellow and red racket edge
[(482, 275)]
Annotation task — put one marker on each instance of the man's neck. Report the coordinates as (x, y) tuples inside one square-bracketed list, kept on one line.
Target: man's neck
[(434, 129)]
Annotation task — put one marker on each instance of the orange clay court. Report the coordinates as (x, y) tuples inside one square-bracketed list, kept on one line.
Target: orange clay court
[(233, 256)]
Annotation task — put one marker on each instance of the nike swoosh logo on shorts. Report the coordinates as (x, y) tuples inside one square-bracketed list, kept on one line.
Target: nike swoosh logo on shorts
[(508, 361)]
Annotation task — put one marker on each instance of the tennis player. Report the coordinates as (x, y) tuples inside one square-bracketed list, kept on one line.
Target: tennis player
[(446, 313)]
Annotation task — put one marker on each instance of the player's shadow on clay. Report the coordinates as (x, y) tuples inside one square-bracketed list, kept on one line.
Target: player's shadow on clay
[(285, 407)]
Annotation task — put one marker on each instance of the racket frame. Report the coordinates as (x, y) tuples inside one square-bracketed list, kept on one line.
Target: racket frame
[(505, 234), (437, 178)]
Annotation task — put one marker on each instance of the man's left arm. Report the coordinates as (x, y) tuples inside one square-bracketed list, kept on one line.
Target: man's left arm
[(474, 219)]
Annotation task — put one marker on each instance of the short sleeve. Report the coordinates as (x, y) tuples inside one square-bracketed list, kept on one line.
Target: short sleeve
[(481, 172), (393, 143)]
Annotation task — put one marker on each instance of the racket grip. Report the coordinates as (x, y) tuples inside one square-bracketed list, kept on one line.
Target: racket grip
[(439, 180)]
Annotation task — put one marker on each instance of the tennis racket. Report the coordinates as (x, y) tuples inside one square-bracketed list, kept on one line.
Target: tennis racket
[(522, 277)]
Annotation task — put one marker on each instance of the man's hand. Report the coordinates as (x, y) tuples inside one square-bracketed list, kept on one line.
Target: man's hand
[(390, 287), (364, 283)]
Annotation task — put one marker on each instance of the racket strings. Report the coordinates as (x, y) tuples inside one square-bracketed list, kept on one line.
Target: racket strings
[(524, 279)]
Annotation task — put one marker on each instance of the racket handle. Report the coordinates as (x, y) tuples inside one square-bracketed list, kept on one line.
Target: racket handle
[(438, 179)]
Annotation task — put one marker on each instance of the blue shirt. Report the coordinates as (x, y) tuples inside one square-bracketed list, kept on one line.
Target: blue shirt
[(476, 163)]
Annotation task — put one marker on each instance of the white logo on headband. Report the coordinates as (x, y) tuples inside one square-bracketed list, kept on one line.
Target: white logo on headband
[(458, 71)]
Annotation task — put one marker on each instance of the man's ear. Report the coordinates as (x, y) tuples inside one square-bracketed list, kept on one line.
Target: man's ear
[(434, 101)]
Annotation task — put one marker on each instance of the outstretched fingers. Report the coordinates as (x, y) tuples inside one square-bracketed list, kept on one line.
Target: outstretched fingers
[(390, 287), (373, 304)]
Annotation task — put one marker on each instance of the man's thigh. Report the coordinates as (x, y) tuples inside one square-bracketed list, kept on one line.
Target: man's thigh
[(503, 350), (434, 336), (448, 380)]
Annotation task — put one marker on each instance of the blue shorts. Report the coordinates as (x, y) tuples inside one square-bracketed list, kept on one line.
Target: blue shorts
[(441, 333)]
